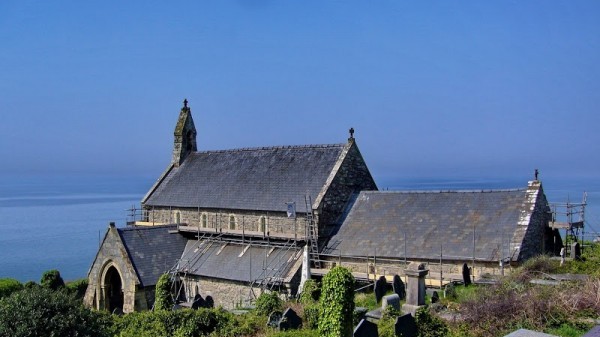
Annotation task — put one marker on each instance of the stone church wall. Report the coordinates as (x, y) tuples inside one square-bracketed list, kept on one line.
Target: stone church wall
[(249, 221), (351, 177), (536, 231)]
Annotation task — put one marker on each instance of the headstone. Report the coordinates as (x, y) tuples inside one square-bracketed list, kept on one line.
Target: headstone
[(392, 300), (450, 291), (405, 326), (289, 320), (274, 318), (380, 288), (365, 329), (562, 256), (359, 312), (399, 288), (198, 302), (435, 298), (209, 302), (575, 251), (594, 332), (415, 294), (466, 273)]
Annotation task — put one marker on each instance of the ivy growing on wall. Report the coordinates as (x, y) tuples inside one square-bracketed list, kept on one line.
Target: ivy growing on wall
[(337, 303)]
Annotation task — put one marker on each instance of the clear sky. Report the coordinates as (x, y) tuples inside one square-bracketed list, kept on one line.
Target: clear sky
[(433, 88)]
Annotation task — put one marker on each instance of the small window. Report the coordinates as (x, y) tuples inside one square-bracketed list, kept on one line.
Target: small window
[(263, 224), (204, 220), (232, 222), (177, 218)]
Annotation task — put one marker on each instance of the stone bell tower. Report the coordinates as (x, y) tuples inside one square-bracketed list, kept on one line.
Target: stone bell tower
[(185, 135)]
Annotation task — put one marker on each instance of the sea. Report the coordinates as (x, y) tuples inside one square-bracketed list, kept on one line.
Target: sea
[(57, 221)]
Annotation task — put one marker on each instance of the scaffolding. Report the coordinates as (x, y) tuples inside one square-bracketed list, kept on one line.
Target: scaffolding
[(570, 217)]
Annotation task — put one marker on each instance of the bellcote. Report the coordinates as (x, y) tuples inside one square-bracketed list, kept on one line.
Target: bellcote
[(185, 136)]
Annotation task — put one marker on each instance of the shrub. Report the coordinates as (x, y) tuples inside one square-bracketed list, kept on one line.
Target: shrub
[(181, 323), (78, 287), (51, 279), (311, 315), (430, 325), (311, 292), (266, 303), (44, 312), (163, 299), (337, 303), (9, 286)]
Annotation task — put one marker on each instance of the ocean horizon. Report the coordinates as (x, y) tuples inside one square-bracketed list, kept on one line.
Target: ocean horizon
[(57, 222)]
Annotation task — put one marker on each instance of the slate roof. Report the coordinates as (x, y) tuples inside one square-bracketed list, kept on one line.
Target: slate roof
[(250, 179), (378, 221), (223, 260), (152, 250)]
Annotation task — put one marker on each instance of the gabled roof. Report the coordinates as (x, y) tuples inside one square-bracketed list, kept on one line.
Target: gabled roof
[(379, 221), (238, 262), (152, 250), (249, 179)]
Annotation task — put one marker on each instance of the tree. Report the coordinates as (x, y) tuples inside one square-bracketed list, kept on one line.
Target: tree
[(337, 303), (163, 299), (40, 311), (9, 286), (266, 303), (51, 279)]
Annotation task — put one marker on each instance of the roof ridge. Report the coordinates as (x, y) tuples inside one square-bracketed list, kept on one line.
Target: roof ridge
[(447, 191), (137, 228), (279, 147)]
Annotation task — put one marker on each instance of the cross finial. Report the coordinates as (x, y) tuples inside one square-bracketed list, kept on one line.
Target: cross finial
[(351, 133), (185, 102)]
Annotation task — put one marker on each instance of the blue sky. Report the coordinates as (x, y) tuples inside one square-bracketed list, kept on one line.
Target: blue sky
[(433, 88)]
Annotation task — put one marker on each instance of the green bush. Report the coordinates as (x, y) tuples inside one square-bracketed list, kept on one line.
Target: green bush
[(311, 315), (296, 333), (9, 286), (44, 312), (429, 325), (51, 279), (266, 303), (162, 298), (78, 287), (181, 323), (311, 292), (337, 303)]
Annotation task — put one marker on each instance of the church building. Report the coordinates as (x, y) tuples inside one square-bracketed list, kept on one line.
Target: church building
[(227, 225)]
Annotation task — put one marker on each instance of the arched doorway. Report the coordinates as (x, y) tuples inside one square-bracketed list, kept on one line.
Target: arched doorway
[(113, 290)]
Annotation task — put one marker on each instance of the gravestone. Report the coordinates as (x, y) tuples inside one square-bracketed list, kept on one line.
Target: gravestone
[(405, 326), (274, 318), (399, 288), (380, 288), (575, 251), (466, 273), (209, 302), (289, 320), (392, 300), (198, 302), (365, 329), (415, 294), (435, 298), (450, 291)]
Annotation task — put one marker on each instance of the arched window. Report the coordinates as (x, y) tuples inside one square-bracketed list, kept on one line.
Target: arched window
[(204, 220), (177, 217), (232, 222), (263, 224)]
